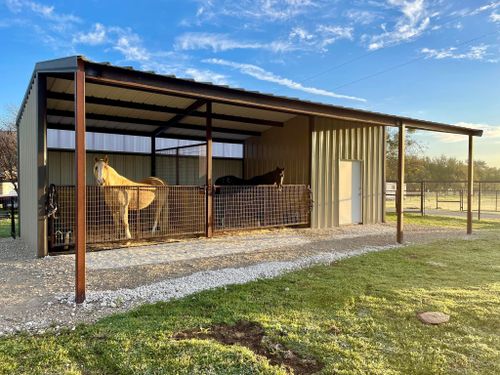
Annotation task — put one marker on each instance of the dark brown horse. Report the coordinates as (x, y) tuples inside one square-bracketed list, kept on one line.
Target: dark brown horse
[(275, 177)]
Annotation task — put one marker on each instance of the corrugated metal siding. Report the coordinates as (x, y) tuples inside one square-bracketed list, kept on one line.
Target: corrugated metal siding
[(286, 147), (335, 140), (135, 167), (28, 172)]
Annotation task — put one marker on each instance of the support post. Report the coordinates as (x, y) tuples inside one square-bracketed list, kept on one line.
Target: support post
[(401, 182), (153, 156), (384, 176), (209, 182), (80, 201), (312, 122), (470, 184)]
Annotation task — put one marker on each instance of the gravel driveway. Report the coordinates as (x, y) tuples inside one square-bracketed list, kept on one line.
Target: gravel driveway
[(38, 293)]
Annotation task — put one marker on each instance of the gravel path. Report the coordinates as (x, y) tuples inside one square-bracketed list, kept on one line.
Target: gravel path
[(37, 293)]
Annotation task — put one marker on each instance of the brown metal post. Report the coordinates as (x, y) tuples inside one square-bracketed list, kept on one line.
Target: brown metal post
[(401, 182), (209, 197), (153, 156), (312, 124), (470, 184), (384, 176), (80, 203), (177, 166)]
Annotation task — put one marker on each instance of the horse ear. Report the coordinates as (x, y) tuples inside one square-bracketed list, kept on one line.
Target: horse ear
[(106, 160), (96, 159)]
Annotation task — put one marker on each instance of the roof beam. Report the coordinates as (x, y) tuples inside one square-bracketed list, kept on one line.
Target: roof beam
[(95, 129), (143, 81), (139, 122), (177, 118), (163, 109)]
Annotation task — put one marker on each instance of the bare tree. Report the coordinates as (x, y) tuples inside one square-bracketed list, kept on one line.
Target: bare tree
[(8, 147)]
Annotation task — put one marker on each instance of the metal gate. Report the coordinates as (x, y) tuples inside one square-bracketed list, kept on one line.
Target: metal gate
[(264, 206)]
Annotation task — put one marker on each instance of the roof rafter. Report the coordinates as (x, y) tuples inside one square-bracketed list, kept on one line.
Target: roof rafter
[(177, 118), (161, 108), (97, 129), (157, 123)]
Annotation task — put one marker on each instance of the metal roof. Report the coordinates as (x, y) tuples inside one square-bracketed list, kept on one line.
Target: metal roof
[(134, 102)]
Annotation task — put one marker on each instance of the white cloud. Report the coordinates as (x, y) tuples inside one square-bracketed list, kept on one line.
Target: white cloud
[(130, 46), (479, 52), (261, 10), (263, 75), (415, 19), (44, 11), (301, 33), (490, 132), (491, 6), (299, 38), (94, 37), (222, 42), (363, 17), (495, 17), (206, 76), (328, 34)]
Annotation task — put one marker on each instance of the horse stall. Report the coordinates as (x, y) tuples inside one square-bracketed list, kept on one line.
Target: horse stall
[(189, 158), (166, 212)]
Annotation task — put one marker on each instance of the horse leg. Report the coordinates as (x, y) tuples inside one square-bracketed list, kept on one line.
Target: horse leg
[(157, 218), (124, 214), (162, 201), (116, 222)]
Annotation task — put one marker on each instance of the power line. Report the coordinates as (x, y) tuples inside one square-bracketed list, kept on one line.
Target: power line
[(360, 57), (394, 67)]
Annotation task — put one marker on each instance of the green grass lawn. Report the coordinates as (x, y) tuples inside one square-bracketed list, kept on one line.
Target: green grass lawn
[(5, 227), (446, 221), (356, 316)]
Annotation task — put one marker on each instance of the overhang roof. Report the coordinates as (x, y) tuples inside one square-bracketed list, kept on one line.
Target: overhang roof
[(127, 101)]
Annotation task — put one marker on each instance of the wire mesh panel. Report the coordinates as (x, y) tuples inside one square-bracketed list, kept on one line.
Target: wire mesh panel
[(125, 213), (250, 207)]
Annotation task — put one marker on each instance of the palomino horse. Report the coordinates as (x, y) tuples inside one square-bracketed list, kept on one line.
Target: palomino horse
[(120, 201)]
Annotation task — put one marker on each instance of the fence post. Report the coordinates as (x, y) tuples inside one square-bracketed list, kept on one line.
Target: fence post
[(422, 204), (479, 201), (437, 199), (496, 200), (12, 219)]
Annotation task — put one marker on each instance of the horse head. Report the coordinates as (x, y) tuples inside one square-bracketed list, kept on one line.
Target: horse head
[(101, 171)]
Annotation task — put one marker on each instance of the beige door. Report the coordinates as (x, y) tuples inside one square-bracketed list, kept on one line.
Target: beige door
[(350, 192)]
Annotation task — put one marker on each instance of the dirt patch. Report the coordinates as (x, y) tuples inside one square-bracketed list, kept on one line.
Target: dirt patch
[(252, 336)]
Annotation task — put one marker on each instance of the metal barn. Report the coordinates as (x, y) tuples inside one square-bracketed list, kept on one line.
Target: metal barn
[(334, 157)]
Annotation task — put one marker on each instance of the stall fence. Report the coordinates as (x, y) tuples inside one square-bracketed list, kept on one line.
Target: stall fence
[(179, 211)]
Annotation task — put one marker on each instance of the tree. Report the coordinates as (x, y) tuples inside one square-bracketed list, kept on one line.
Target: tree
[(413, 149), (8, 147)]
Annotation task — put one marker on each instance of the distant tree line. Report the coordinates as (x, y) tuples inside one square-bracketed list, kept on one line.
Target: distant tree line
[(424, 168)]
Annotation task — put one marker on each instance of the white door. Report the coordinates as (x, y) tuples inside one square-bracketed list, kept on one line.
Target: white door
[(350, 192)]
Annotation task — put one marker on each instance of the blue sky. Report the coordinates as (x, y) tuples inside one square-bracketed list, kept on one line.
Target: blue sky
[(432, 59)]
